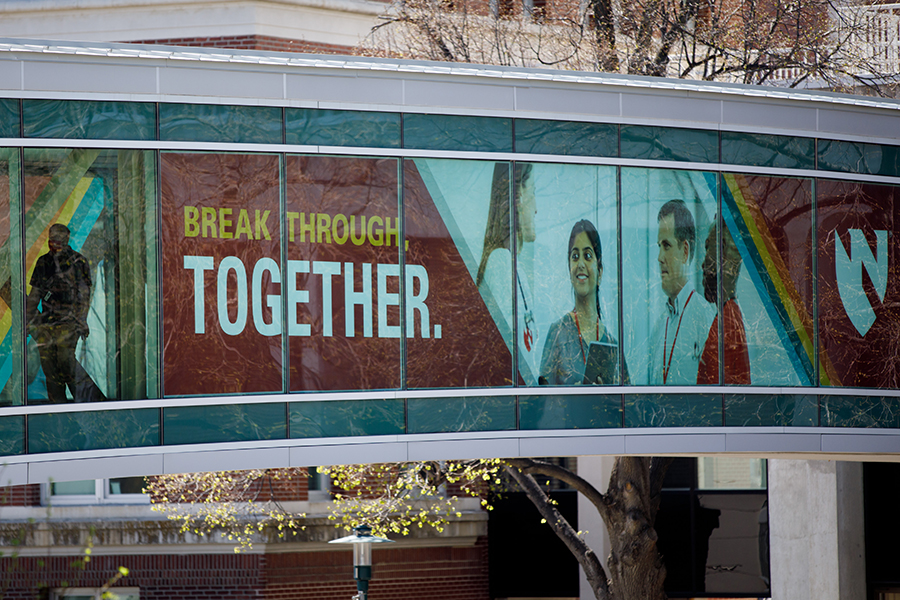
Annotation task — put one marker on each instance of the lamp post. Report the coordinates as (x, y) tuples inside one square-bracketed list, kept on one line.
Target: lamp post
[(362, 542)]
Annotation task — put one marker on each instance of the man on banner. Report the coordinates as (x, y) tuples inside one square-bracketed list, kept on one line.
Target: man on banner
[(737, 358), (680, 334), (61, 286)]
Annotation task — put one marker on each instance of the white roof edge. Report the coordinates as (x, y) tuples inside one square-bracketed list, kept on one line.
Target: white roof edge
[(502, 74)]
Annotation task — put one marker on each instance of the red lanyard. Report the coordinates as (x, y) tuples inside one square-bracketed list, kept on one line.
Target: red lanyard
[(580, 339), (668, 364)]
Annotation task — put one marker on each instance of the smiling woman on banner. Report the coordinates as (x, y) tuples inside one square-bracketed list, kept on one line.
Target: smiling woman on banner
[(493, 278), (579, 341)]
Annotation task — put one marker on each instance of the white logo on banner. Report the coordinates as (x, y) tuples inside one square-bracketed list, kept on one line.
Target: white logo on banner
[(849, 275)]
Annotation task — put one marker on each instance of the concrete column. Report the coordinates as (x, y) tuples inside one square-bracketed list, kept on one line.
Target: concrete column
[(816, 542), (596, 470)]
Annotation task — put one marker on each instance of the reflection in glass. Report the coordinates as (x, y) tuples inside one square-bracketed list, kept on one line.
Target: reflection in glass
[(859, 157), (771, 410), (12, 435), (346, 418), (669, 143), (343, 273), (673, 410), (342, 128), (570, 412), (86, 119), (475, 413), (781, 152), (230, 423), (220, 123), (11, 293), (9, 117), (860, 411), (90, 242), (458, 333), (565, 137), (456, 132), (668, 310), (68, 432)]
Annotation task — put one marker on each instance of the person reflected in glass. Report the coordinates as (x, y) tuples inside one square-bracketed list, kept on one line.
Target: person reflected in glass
[(680, 333), (57, 310), (569, 339), (737, 358), (493, 276)]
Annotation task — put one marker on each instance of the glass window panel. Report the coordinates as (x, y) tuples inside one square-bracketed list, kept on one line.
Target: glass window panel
[(566, 275), (459, 295), (857, 157), (731, 473), (771, 410), (342, 127), (220, 123), (681, 474), (346, 418), (221, 293), (669, 143), (767, 280), (477, 413), (126, 485), (783, 152), (92, 323), (731, 534), (669, 298), (11, 292), (570, 412), (314, 480), (859, 284), (860, 411), (84, 119), (454, 132), (87, 487), (9, 118), (343, 276), (231, 423), (67, 432), (673, 410), (567, 138), (12, 435)]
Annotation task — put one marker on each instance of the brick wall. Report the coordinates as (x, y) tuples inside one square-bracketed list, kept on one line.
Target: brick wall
[(21, 495), (252, 42), (448, 573)]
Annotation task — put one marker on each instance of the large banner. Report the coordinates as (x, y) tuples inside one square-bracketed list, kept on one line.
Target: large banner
[(294, 281), (221, 292), (859, 292)]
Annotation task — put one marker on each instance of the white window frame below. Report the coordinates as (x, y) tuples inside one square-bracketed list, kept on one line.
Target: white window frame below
[(101, 495)]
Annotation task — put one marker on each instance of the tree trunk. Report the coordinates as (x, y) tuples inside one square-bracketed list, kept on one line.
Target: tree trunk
[(635, 570), (635, 567)]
